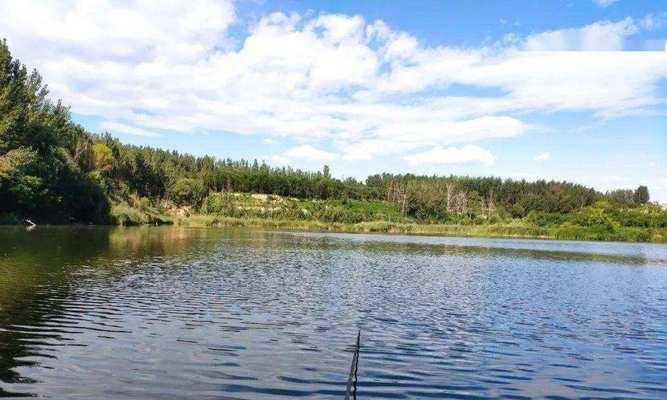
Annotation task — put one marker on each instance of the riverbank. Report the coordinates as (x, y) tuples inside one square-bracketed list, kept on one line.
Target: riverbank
[(601, 222), (514, 229), (511, 230), (271, 212)]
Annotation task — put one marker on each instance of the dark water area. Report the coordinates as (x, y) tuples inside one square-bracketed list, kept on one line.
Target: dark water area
[(171, 313)]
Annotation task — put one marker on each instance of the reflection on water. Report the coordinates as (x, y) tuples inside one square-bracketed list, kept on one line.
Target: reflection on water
[(245, 314)]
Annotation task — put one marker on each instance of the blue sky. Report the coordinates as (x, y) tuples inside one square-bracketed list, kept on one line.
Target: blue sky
[(570, 90)]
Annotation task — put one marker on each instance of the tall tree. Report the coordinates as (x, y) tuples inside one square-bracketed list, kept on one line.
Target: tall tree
[(641, 195)]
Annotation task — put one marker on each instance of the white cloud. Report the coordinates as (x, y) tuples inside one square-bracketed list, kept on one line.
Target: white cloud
[(116, 127), (306, 152), (598, 36), (604, 3), (401, 133), (542, 156), (117, 32), (361, 86), (452, 155), (653, 22)]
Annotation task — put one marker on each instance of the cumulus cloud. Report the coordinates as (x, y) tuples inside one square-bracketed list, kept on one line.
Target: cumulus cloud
[(110, 32), (653, 21), (542, 156), (424, 128), (452, 155), (598, 36), (359, 85)]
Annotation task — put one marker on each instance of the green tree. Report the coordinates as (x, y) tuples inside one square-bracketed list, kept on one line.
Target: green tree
[(102, 157), (641, 195), (187, 191), (39, 174)]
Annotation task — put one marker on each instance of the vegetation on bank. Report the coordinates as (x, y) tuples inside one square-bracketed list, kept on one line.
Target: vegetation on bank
[(54, 171), (601, 221), (511, 230)]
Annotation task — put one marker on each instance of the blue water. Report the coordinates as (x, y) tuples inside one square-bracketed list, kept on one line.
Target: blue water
[(170, 313)]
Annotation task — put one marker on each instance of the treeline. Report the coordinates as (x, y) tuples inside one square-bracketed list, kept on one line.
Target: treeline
[(185, 180), (52, 170)]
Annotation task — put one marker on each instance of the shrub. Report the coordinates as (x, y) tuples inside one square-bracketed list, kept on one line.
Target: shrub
[(188, 191)]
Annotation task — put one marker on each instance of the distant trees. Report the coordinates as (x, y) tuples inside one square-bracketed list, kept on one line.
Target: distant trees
[(628, 197), (186, 180), (435, 197), (621, 196)]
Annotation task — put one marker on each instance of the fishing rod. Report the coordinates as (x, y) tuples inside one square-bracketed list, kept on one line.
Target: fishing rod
[(351, 391)]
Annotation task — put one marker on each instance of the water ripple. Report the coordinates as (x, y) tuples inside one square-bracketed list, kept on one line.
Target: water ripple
[(243, 314)]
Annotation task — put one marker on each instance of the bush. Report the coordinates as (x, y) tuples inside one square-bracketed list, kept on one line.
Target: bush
[(541, 218), (188, 191), (593, 218), (218, 203)]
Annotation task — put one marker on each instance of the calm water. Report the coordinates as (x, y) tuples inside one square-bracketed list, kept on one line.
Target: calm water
[(168, 313)]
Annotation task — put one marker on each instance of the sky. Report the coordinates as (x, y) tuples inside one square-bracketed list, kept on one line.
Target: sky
[(564, 90)]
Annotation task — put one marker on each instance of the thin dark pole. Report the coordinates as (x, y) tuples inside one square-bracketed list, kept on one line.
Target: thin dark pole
[(351, 391)]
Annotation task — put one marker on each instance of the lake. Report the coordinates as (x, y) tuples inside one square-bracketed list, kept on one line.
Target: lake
[(172, 313)]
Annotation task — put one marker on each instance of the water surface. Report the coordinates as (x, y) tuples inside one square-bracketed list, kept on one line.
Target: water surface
[(174, 313)]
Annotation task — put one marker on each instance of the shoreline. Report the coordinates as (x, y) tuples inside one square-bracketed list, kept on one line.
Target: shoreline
[(499, 231), (508, 231)]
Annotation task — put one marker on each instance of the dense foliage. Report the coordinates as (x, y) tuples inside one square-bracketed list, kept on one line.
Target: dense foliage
[(41, 171), (52, 170)]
